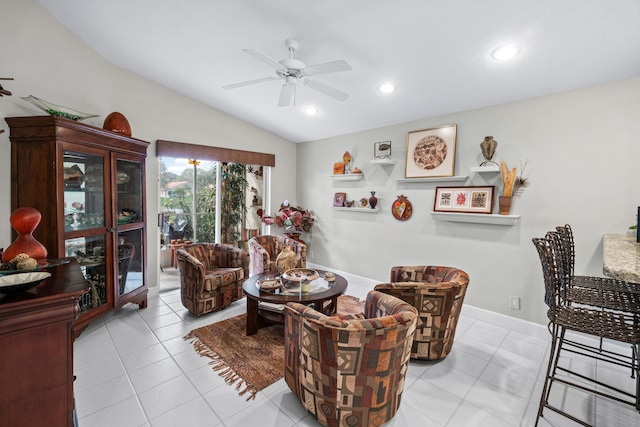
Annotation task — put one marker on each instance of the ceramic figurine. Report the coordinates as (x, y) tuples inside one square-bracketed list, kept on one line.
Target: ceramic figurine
[(488, 147)]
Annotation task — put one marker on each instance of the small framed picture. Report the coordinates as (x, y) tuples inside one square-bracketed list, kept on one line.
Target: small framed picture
[(338, 168), (431, 152), (382, 150), (338, 199), (472, 199)]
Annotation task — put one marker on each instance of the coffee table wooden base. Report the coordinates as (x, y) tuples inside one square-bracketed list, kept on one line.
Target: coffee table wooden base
[(325, 302)]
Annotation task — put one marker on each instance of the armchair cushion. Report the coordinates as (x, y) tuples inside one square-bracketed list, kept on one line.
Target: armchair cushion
[(349, 371), (437, 293), (263, 251), (211, 276)]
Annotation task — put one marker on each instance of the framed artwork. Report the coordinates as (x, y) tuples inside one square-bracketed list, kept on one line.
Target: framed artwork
[(382, 150), (474, 199), (338, 199), (338, 168), (431, 152)]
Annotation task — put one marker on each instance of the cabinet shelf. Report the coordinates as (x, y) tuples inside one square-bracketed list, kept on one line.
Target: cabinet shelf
[(356, 209), (456, 178), (348, 177), (486, 169), (383, 162), (477, 218)]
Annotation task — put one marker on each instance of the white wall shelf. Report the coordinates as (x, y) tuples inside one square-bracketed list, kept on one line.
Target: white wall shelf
[(356, 209), (477, 218), (383, 162), (348, 177), (486, 169), (456, 178)]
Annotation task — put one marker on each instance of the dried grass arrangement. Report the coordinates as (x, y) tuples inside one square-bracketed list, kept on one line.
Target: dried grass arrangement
[(512, 182)]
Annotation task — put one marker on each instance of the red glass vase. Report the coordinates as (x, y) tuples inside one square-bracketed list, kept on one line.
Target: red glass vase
[(24, 221)]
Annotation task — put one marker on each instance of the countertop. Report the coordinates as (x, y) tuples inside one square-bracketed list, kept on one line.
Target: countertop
[(621, 253)]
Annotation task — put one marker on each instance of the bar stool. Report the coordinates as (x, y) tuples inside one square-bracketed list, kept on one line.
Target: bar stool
[(605, 312)]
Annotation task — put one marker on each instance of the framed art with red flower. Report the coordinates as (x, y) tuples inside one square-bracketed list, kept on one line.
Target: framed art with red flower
[(472, 199)]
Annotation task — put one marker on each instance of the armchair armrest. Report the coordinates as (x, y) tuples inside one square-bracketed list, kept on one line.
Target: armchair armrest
[(193, 268), (417, 287), (428, 274), (379, 304)]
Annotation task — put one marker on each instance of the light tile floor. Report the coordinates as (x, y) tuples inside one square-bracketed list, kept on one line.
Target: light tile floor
[(133, 368)]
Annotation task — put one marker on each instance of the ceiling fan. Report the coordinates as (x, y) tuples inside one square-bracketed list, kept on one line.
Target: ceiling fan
[(292, 70)]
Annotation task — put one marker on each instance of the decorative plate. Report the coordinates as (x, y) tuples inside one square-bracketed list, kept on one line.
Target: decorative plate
[(57, 110), (401, 208), (363, 203), (269, 284), (21, 282), (6, 270), (300, 274), (430, 152)]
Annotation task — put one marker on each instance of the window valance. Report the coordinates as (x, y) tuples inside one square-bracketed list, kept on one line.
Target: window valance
[(184, 150)]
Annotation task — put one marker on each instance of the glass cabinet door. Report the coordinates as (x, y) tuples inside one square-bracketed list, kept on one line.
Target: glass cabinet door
[(83, 191), (91, 255), (130, 226), (130, 261), (129, 193)]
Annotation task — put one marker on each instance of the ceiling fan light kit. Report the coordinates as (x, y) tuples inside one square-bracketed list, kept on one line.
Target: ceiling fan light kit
[(386, 87), (292, 70)]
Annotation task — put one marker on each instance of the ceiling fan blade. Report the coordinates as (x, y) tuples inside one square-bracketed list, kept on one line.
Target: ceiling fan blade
[(287, 91), (327, 90), (327, 67), (250, 82), (265, 58)]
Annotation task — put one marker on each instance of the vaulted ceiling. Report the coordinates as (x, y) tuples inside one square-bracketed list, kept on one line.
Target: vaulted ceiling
[(438, 53)]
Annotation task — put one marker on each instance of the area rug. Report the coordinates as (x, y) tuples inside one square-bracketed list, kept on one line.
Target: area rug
[(253, 362)]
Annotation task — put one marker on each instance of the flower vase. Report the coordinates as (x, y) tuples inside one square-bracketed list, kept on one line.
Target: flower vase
[(294, 236), (504, 202), (373, 200), (24, 221)]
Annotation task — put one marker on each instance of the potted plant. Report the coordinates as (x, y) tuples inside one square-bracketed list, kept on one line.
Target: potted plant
[(295, 220)]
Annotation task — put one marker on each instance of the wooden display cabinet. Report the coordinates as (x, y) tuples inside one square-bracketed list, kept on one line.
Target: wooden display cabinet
[(89, 185)]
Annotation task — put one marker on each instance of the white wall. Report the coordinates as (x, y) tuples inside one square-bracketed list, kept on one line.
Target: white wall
[(583, 151), (48, 61)]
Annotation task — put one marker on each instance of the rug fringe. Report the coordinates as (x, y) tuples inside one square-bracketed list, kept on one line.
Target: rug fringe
[(228, 374)]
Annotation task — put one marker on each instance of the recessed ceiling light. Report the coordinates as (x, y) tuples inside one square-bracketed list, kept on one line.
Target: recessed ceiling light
[(312, 111), (386, 87), (505, 52)]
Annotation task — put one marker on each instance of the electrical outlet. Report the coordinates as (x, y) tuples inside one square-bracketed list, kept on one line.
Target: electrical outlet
[(514, 303), (311, 254)]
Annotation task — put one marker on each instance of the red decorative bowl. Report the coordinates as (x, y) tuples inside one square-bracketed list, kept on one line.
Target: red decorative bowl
[(117, 122)]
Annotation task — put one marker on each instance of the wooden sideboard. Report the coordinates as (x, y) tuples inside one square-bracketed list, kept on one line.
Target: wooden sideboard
[(36, 350)]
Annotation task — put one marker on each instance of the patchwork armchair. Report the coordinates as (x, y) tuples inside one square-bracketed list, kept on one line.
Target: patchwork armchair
[(349, 370), (211, 276), (437, 293), (263, 251)]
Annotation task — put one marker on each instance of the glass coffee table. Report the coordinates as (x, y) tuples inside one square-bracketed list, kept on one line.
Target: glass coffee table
[(265, 305)]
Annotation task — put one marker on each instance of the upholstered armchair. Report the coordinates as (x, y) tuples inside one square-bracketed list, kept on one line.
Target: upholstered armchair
[(349, 370), (437, 293), (211, 276), (265, 249)]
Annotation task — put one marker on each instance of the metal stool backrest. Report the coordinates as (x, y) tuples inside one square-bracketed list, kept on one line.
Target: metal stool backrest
[(552, 269)]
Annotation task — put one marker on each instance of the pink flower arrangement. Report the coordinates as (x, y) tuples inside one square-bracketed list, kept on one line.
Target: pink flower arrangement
[(293, 219)]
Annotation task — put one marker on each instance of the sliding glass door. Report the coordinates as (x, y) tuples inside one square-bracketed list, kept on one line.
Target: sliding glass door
[(207, 201)]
